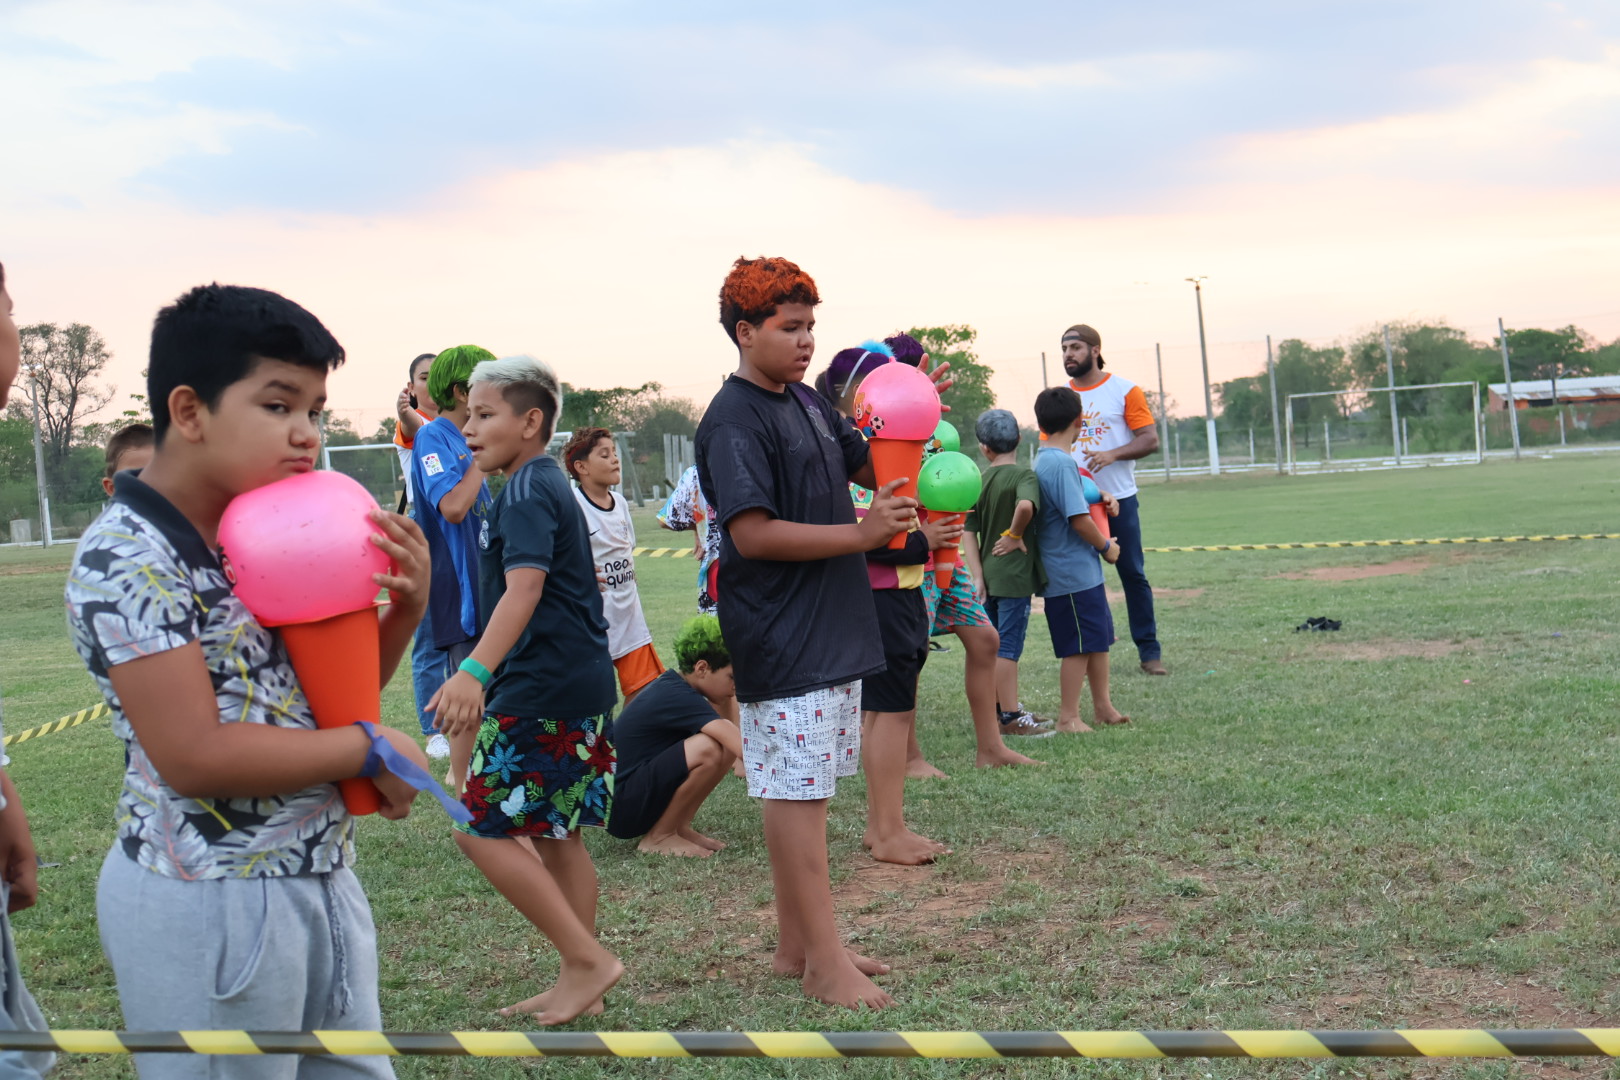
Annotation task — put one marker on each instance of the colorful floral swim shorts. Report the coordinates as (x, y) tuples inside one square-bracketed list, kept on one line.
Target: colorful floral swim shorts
[(540, 777), (956, 606)]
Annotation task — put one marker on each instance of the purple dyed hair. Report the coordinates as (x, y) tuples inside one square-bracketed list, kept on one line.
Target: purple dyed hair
[(907, 349), (849, 366)]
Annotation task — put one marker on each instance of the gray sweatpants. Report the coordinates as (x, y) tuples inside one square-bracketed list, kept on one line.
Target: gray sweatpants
[(17, 1009), (260, 954)]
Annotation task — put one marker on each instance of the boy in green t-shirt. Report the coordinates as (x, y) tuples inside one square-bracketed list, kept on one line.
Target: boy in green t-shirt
[(1003, 521)]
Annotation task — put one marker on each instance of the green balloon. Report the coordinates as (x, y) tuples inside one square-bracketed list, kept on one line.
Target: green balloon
[(950, 483), (945, 438)]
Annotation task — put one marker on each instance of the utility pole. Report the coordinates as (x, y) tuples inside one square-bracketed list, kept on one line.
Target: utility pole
[(1045, 382), (39, 467), (1507, 374), (1276, 428), (1394, 411), (1164, 411), (1209, 400)]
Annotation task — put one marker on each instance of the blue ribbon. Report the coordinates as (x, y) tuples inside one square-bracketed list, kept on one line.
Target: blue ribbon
[(413, 774)]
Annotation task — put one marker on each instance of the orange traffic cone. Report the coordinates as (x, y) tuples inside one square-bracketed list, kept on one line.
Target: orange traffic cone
[(892, 459), (944, 557), (337, 661)]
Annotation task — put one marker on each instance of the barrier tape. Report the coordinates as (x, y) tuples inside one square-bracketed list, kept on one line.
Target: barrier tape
[(94, 712), (1465, 1043), (678, 553)]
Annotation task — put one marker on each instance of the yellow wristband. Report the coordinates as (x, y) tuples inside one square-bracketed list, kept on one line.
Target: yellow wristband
[(1009, 534)]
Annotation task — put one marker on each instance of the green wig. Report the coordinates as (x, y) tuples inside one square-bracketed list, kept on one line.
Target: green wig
[(452, 368), (700, 639)]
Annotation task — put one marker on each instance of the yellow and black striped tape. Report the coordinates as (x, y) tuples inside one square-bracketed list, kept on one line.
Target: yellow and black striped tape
[(680, 553), (1466, 1043), (94, 712)]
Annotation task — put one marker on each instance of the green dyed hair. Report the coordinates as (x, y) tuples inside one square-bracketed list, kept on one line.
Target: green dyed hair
[(452, 368), (700, 639)]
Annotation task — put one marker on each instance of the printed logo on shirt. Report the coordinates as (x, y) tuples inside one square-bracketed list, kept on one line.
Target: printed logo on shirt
[(1093, 428), (483, 535), (432, 465)]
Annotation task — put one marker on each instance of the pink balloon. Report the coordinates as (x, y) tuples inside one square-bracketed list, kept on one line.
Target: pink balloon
[(897, 401), (300, 550)]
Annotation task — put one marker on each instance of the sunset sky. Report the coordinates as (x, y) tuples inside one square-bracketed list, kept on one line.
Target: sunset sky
[(572, 179)]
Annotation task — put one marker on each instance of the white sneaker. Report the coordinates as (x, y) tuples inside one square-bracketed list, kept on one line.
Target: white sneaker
[(438, 747)]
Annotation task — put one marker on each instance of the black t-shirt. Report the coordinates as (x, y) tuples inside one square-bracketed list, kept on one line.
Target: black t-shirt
[(667, 712), (792, 627), (560, 668)]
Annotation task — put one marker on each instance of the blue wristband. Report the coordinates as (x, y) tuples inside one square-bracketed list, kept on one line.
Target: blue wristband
[(383, 755), (476, 670)]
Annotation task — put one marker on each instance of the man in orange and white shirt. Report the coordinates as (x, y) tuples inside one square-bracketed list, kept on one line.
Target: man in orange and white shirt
[(1116, 428)]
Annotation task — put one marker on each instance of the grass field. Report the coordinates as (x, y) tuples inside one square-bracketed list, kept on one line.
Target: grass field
[(1411, 822)]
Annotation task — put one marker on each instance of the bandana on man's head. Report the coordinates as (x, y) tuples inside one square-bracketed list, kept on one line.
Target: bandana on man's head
[(1083, 333)]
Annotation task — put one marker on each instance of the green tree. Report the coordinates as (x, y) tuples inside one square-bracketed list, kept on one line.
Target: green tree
[(1549, 354), (970, 393), (1424, 353), (1305, 369), (1245, 402), (63, 364), (612, 408)]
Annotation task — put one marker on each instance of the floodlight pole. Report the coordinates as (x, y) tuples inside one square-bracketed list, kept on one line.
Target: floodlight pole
[(1276, 426), (1507, 375), (39, 468), (1045, 382), (1394, 411), (1209, 400), (1164, 412)]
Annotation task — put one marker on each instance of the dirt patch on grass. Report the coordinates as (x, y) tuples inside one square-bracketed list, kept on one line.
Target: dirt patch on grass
[(1360, 571), (1384, 649)]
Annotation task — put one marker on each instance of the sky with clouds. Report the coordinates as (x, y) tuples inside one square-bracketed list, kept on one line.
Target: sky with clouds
[(572, 179)]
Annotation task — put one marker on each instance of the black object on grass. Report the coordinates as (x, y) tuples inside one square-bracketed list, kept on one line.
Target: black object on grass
[(1318, 623)]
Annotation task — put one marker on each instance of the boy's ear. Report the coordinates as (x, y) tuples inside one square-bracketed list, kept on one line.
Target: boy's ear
[(745, 333), (534, 423), (107, 485), (702, 669), (186, 411)]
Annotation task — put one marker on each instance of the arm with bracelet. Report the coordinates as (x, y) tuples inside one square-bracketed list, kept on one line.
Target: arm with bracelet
[(459, 704)]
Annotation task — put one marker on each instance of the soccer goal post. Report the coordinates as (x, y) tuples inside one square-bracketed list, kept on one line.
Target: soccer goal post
[(1421, 423)]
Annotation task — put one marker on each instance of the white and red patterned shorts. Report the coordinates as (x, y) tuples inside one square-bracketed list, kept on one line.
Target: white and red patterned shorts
[(798, 747)]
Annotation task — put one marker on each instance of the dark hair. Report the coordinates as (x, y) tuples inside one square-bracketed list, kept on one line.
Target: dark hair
[(907, 349), (700, 639), (1056, 408), (755, 288), (427, 357), (579, 447), (849, 365), (215, 335), (132, 437)]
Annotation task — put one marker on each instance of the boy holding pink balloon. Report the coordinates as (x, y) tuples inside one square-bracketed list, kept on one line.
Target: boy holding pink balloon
[(1076, 602), (537, 690), (775, 461), (231, 833)]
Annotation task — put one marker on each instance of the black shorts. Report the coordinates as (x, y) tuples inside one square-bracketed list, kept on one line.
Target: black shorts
[(903, 626), (641, 796)]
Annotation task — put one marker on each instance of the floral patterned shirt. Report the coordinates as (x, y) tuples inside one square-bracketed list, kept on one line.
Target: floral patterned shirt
[(144, 582)]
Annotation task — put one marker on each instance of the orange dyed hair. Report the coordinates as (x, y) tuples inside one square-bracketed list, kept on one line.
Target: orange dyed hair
[(755, 288)]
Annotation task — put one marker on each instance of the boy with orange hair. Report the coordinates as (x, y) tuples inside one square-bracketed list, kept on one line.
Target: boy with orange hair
[(774, 460)]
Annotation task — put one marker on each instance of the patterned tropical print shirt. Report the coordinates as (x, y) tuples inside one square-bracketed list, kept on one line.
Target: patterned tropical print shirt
[(144, 582)]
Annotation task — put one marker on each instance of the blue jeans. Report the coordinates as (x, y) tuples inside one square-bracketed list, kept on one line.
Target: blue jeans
[(1127, 529), (428, 672), (1011, 616)]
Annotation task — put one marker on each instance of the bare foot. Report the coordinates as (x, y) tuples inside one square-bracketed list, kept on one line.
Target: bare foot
[(919, 769), (907, 849), (1074, 727), (699, 839), (673, 844), (846, 986), (543, 999), (578, 989), (995, 759), (795, 968), (1112, 717)]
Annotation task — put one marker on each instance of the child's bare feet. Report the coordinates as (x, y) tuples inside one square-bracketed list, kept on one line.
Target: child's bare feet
[(995, 759), (919, 769), (906, 849), (540, 1001), (1112, 716), (698, 838), (794, 968), (579, 988), (673, 844), (1076, 726), (845, 985)]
